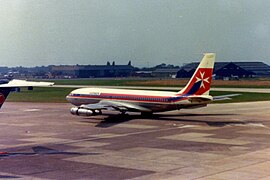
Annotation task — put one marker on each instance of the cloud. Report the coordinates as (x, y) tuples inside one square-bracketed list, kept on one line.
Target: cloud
[(38, 32)]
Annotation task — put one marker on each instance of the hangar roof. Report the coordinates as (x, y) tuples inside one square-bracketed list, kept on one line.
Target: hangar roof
[(258, 68)]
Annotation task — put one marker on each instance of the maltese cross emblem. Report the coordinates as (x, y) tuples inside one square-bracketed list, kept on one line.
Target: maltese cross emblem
[(202, 79)]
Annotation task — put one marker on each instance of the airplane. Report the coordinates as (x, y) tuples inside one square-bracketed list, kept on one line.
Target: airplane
[(92, 101), (7, 86)]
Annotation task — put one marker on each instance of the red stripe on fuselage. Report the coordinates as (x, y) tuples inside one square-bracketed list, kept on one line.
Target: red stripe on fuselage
[(128, 97)]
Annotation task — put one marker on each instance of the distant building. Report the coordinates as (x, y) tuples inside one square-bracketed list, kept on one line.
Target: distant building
[(259, 68), (184, 73), (105, 70), (225, 70), (232, 70), (65, 70), (3, 69), (86, 71), (165, 72), (142, 74)]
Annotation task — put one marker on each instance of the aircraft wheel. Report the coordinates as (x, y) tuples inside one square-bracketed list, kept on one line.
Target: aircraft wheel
[(147, 114)]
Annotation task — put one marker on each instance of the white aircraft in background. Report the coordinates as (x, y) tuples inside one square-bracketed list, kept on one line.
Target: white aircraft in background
[(6, 87), (91, 101)]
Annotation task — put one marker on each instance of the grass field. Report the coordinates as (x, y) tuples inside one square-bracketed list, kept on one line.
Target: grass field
[(40, 95), (247, 83), (59, 94)]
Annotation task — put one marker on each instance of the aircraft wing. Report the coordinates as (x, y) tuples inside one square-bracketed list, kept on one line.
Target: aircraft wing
[(6, 87), (224, 97), (115, 105), (24, 83)]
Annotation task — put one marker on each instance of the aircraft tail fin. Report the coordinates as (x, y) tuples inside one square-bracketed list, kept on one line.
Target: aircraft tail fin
[(4, 92), (200, 82)]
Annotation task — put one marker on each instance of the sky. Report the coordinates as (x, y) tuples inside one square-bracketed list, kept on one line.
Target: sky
[(147, 32)]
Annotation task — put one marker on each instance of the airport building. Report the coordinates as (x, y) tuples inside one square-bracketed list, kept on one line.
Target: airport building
[(230, 70), (166, 72), (223, 70), (65, 71), (86, 71)]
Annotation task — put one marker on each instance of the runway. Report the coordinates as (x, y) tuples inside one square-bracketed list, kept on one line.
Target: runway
[(221, 141)]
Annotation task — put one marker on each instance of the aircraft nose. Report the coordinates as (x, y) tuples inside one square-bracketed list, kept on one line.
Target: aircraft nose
[(69, 98)]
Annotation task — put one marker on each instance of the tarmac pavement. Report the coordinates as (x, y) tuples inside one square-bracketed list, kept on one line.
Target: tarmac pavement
[(221, 141)]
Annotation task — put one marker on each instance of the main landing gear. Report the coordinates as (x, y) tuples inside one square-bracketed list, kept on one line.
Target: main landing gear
[(146, 114), (123, 113)]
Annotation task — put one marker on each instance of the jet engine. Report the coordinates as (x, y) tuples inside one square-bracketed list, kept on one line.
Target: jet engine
[(84, 112)]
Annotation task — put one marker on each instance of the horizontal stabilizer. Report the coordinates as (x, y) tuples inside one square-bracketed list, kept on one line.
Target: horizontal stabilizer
[(224, 97)]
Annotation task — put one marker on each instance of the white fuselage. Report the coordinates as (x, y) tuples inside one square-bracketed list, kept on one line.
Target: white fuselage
[(91, 101), (156, 101)]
